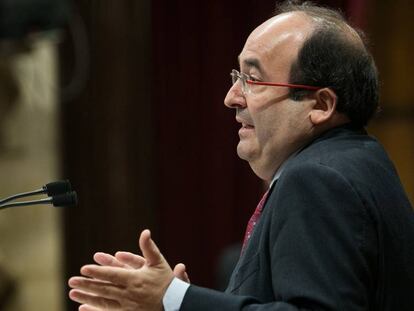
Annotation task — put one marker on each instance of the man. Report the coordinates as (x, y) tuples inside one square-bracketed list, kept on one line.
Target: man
[(335, 230)]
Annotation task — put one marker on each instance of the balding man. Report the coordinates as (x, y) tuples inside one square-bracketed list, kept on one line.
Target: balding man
[(335, 230)]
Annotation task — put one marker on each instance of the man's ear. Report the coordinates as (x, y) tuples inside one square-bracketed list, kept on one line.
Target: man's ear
[(325, 106)]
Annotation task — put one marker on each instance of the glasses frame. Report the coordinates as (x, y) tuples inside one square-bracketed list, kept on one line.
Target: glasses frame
[(245, 79)]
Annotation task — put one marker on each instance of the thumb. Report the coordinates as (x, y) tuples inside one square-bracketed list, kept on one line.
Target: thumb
[(149, 249)]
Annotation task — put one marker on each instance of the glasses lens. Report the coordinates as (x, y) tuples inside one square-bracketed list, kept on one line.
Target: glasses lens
[(234, 76)]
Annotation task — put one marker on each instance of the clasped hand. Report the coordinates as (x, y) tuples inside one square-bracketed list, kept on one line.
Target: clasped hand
[(126, 281)]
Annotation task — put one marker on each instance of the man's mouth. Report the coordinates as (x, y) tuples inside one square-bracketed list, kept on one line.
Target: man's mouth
[(244, 124), (247, 126), (246, 130)]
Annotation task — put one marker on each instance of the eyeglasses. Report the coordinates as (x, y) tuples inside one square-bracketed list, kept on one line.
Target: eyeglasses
[(247, 81)]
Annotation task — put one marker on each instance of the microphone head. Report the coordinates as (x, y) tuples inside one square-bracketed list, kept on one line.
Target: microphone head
[(57, 187), (66, 199)]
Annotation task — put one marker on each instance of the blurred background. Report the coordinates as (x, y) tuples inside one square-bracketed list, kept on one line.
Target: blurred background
[(125, 98)]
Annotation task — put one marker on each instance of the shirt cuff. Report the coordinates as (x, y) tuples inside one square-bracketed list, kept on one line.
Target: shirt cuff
[(174, 295)]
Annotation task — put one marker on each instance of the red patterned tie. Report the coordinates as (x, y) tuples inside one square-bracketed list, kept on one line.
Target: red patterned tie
[(254, 219)]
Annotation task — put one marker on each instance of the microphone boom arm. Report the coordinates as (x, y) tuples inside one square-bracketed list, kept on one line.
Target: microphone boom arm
[(26, 203), (22, 195)]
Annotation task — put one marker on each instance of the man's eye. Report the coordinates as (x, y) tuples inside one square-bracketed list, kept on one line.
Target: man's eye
[(252, 78)]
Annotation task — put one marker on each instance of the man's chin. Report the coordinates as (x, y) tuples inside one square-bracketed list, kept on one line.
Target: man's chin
[(245, 151)]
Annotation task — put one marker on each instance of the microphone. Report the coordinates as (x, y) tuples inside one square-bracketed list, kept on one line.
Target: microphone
[(52, 188), (60, 200), (60, 194), (66, 199), (57, 187)]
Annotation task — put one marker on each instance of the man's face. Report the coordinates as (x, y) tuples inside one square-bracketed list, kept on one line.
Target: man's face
[(273, 126)]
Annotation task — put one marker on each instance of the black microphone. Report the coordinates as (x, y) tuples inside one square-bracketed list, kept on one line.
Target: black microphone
[(51, 189), (65, 199), (57, 187)]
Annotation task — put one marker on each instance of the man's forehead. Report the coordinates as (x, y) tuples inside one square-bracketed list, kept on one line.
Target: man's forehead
[(281, 31)]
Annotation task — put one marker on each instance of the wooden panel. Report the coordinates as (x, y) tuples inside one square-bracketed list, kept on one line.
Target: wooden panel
[(108, 133), (397, 138), (391, 35)]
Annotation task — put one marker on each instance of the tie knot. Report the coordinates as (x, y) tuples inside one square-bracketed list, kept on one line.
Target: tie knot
[(262, 201)]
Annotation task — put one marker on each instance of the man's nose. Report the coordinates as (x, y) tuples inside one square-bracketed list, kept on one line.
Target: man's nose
[(235, 97)]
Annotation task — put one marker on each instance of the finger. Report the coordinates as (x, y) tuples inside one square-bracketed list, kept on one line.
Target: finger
[(179, 269), (93, 301), (114, 275), (179, 272), (88, 308), (149, 249), (186, 278), (104, 259), (96, 287), (130, 259)]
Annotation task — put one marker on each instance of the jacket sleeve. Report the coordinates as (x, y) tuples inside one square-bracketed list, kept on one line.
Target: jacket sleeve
[(322, 245)]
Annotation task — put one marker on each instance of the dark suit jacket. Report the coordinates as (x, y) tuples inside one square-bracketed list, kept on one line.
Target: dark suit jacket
[(336, 233)]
